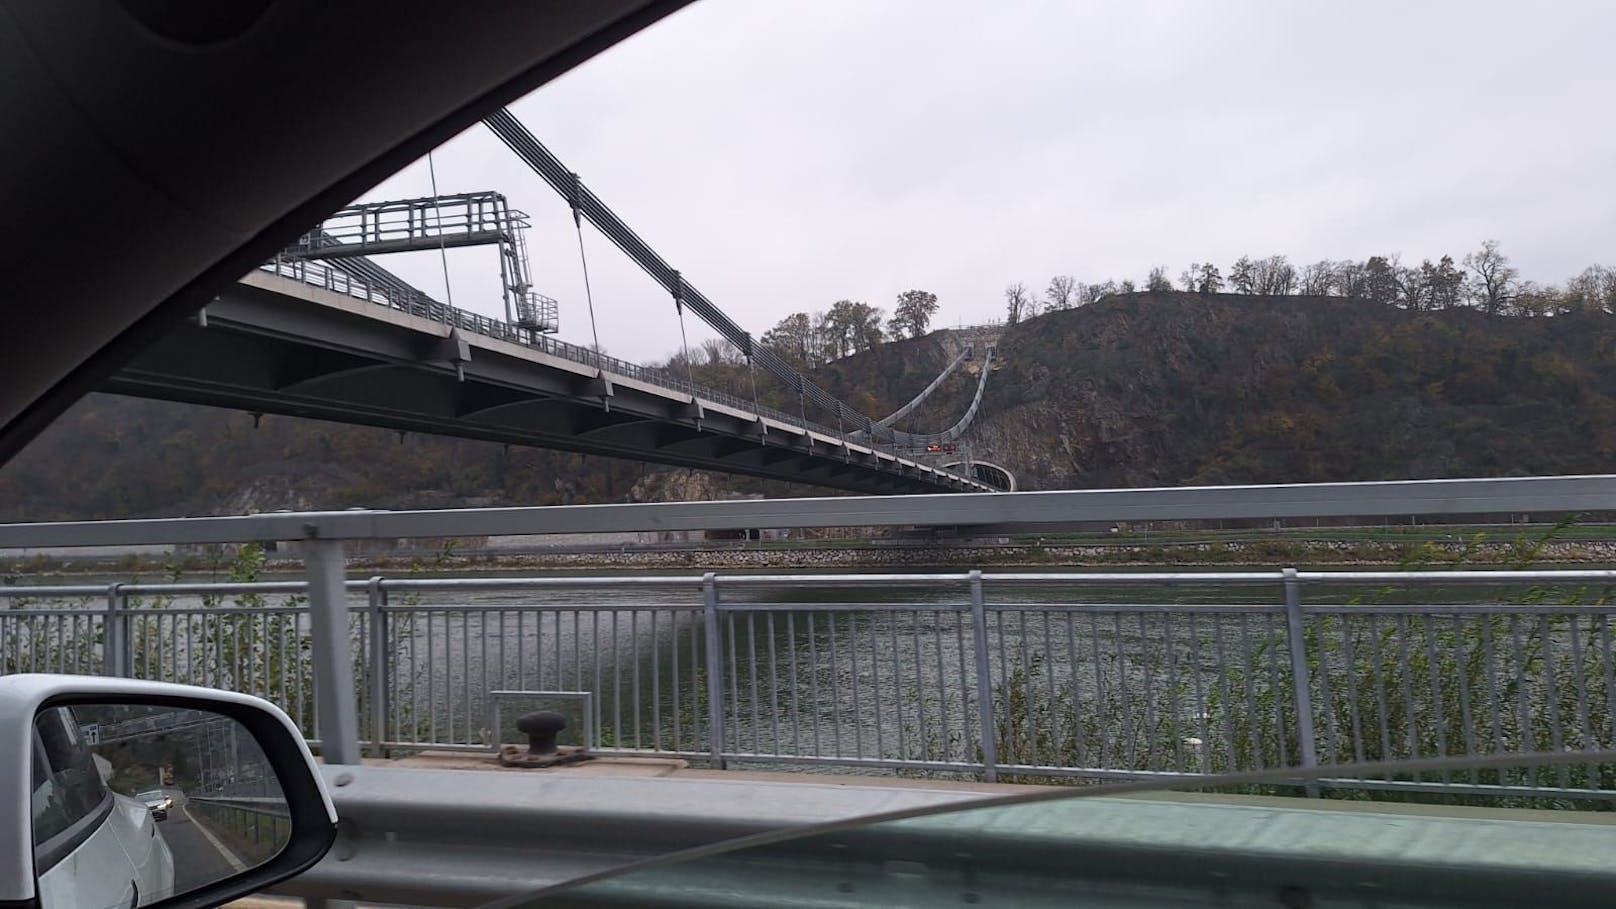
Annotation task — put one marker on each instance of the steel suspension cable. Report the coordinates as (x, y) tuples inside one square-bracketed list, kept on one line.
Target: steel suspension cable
[(752, 368), (586, 204), (892, 418), (684, 343), (437, 213), (589, 296), (684, 339)]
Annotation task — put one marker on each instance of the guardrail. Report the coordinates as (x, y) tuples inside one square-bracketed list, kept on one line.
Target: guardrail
[(1013, 675), (254, 829)]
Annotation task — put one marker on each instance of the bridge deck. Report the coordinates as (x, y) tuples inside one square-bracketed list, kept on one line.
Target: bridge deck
[(274, 344)]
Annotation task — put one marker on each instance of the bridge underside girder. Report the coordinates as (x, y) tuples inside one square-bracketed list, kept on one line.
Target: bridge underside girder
[(265, 352)]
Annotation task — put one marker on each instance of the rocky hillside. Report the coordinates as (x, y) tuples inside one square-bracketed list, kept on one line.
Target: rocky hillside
[(113, 457), (1179, 389), (1136, 390)]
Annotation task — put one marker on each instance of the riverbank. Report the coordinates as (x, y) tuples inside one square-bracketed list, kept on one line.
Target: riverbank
[(865, 556), (1277, 553)]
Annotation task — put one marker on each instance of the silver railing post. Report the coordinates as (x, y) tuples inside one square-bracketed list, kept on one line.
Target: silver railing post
[(376, 609), (1301, 680), (715, 670), (334, 704), (116, 649), (984, 682)]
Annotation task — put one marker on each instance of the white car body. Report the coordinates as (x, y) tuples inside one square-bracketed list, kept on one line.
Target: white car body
[(102, 849), (125, 862), (67, 840)]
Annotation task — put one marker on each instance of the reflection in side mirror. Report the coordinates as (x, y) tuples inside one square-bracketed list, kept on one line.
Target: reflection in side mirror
[(131, 793), (135, 803)]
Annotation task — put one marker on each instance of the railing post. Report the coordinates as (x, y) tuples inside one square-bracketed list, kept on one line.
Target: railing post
[(117, 652), (379, 692), (984, 682), (1301, 680), (334, 704), (715, 670)]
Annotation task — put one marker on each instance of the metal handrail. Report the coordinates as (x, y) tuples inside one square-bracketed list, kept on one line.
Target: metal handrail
[(962, 644), (269, 805), (726, 581)]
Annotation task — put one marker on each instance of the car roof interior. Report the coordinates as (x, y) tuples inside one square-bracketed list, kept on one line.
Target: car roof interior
[(156, 150)]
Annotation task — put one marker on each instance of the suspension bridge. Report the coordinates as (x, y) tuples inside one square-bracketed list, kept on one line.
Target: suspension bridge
[(325, 331)]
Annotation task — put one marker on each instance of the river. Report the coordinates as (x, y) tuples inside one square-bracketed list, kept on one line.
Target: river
[(1100, 673)]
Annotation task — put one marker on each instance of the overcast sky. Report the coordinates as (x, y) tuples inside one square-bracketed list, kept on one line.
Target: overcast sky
[(785, 155)]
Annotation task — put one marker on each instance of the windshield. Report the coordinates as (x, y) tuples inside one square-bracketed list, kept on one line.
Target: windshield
[(999, 396), (1383, 835)]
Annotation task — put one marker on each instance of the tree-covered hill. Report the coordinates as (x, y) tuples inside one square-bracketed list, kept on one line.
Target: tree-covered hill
[(1179, 388), (1162, 388)]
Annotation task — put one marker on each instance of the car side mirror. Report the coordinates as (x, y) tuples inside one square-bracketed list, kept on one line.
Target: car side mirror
[(122, 793)]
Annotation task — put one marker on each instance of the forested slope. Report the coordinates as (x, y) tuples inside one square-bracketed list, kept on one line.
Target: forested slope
[(1137, 389)]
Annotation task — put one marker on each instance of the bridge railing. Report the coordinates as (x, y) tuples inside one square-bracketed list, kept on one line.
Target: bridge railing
[(1008, 676), (421, 222), (319, 274)]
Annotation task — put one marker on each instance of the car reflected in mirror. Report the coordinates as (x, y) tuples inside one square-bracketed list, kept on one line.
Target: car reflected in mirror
[(150, 794), (134, 803)]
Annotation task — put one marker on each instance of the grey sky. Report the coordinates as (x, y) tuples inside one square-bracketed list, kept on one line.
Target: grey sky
[(785, 155)]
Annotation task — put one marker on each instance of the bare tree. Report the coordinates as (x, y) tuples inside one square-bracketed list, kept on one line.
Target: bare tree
[(1158, 282), (1531, 299), (1412, 292), (1352, 279), (1060, 294), (1017, 303), (716, 350), (1094, 293), (1318, 279), (1495, 280), (1209, 280), (1273, 276), (1594, 290)]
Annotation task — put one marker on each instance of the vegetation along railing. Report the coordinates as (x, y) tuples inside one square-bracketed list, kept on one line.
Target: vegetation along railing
[(1005, 676)]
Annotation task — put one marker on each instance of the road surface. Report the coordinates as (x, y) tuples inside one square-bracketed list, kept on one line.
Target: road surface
[(199, 858)]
